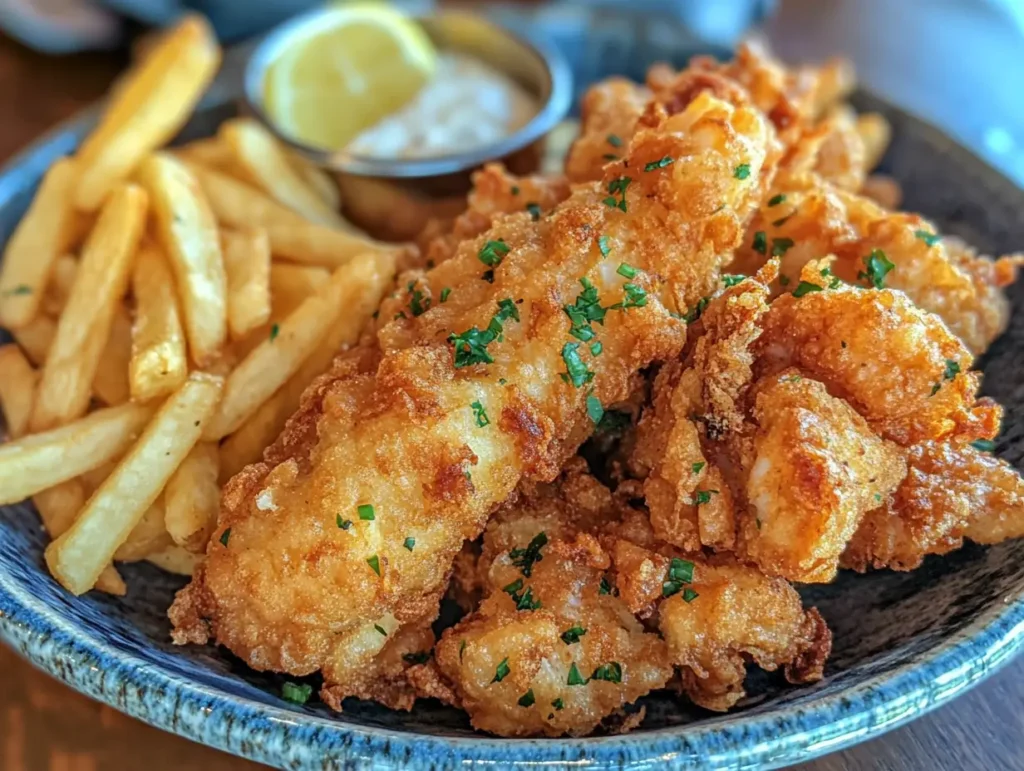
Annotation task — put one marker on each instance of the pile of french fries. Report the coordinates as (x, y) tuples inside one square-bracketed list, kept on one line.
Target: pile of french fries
[(169, 307)]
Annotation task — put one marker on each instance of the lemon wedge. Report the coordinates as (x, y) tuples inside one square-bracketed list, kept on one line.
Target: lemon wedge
[(361, 63)]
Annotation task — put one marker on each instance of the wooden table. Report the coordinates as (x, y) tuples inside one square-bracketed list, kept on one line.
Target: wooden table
[(46, 727)]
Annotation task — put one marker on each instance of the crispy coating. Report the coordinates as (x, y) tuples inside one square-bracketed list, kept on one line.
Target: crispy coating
[(286, 585), (951, 492)]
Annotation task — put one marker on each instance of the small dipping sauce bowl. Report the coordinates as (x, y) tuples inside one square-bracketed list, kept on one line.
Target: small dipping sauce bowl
[(394, 198)]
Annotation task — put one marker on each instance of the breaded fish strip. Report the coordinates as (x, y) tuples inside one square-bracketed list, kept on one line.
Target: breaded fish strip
[(353, 521)]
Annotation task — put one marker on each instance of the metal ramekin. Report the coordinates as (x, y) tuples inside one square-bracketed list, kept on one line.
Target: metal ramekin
[(395, 197)]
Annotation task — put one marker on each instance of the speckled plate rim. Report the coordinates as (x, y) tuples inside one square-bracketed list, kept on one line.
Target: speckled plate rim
[(296, 739)]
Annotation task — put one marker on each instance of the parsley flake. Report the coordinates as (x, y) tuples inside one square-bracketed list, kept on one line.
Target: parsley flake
[(575, 678), (366, 512), (515, 190), (502, 671), (594, 409), (952, 370), (374, 563), (729, 279), (696, 467), (513, 587), (602, 244), (462, 649), (493, 252), (617, 186), (576, 371), (344, 524), (605, 587), (480, 414), (983, 445), (704, 496), (471, 345), (573, 634), (558, 704), (225, 537), (697, 310), (929, 238), (626, 271), (780, 246), (526, 601), (668, 160), (409, 543), (805, 287), (614, 140), (775, 200), (689, 595), (296, 694), (418, 304), (445, 292), (275, 329), (783, 280), (527, 699), (526, 558), (878, 266), (586, 309), (418, 657), (742, 171), (381, 630), (760, 244), (534, 210), (680, 572), (610, 672)]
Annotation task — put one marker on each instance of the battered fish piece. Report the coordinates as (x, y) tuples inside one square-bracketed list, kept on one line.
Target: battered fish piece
[(355, 516), (952, 492), (550, 651)]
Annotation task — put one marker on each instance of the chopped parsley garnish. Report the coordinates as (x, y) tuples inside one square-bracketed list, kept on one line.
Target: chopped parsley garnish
[(626, 271), (929, 238), (513, 587), (575, 678), (784, 280), (558, 704), (462, 649), (935, 389), (493, 252), (689, 595), (488, 276), (20, 289), (397, 316), (680, 572), (419, 657), (602, 244), (878, 266), (697, 310), (775, 200), (502, 381), (617, 187), (586, 309), (225, 537), (502, 671), (614, 422), (381, 630), (610, 672), (983, 445), (780, 246), (605, 587), (952, 370), (704, 496), (527, 699), (731, 279), (418, 304), (696, 467), (471, 345), (480, 414), (635, 297), (835, 282), (534, 209), (366, 512), (594, 409), (660, 164), (526, 600), (805, 287), (296, 694), (374, 563), (515, 190), (742, 171), (760, 244), (614, 140), (524, 559), (275, 329), (445, 292), (576, 371), (409, 543), (781, 221), (610, 157), (344, 524), (573, 634)]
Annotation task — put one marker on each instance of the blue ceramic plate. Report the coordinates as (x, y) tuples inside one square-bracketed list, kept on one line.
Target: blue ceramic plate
[(904, 643)]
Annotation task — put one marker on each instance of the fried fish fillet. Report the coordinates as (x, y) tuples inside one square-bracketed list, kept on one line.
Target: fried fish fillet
[(351, 524)]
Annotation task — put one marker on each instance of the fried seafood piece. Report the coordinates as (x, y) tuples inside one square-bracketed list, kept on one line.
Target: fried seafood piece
[(355, 516), (806, 219), (716, 615), (550, 651), (951, 492)]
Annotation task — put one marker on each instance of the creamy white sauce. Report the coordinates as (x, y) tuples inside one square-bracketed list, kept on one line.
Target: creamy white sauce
[(468, 104)]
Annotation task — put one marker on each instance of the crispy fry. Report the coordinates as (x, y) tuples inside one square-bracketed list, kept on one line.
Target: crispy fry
[(177, 560), (321, 182), (192, 498), (110, 384), (158, 361), (247, 264), (37, 241), (36, 337), (77, 557), (62, 278), (189, 236), (278, 357), (149, 536), (291, 284), (17, 389), (148, 110), (210, 152), (246, 444), (36, 462), (266, 163), (238, 205), (85, 325)]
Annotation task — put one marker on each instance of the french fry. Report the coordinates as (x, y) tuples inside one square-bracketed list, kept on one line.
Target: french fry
[(177, 560), (110, 383), (149, 536), (35, 245), (17, 389), (58, 506), (238, 205), (159, 364), (189, 236), (77, 558), (247, 264), (277, 358), (85, 325), (268, 165), (291, 284), (210, 152), (38, 461), (62, 278), (147, 110), (246, 445), (36, 337), (192, 498), (322, 184)]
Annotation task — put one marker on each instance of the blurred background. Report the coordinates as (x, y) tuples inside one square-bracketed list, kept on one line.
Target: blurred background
[(957, 63)]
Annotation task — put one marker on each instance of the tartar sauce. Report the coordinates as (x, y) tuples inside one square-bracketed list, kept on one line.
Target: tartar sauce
[(467, 104)]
